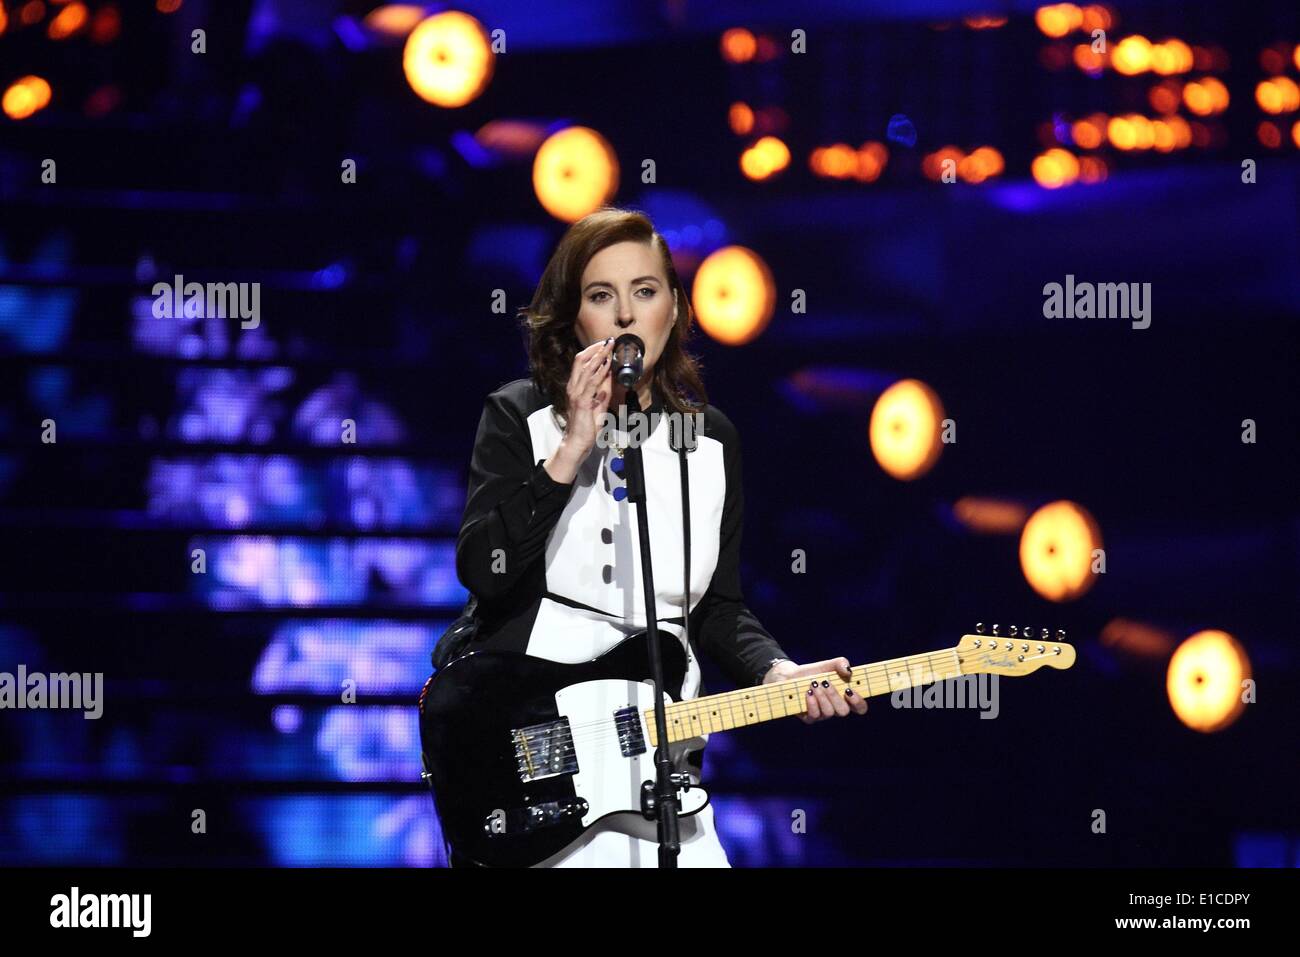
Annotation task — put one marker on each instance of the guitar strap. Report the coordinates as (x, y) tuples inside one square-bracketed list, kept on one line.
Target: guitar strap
[(686, 542)]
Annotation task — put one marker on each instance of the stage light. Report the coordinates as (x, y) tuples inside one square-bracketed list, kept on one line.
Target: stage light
[(1165, 96), (741, 119), (575, 172), (1295, 133), (1132, 55), (1058, 19), (167, 6), (1269, 135), (871, 159), (25, 96), (738, 45), (1205, 680), (1096, 17), (1136, 638), (733, 295), (905, 431), (1144, 134), (932, 165), (1092, 169), (1056, 550), (1278, 95), (1206, 96), (31, 13), (1171, 56), (1121, 133), (989, 516), (395, 20), (4, 19), (1089, 132), (1295, 57), (1182, 131), (983, 163), (1165, 140), (1055, 168), (765, 158), (1089, 60), (68, 21), (447, 59), (106, 25)]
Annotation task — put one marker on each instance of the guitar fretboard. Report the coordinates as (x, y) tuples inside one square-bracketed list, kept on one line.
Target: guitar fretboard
[(746, 706)]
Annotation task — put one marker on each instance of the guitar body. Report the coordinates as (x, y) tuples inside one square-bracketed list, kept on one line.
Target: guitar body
[(524, 754)]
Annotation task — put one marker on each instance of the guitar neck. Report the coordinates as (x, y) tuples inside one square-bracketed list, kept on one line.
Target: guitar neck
[(746, 706)]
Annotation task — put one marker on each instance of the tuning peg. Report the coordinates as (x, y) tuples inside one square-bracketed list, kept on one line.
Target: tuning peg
[(1014, 631), (979, 627), (1027, 631), (1060, 634), (1045, 634), (995, 629)]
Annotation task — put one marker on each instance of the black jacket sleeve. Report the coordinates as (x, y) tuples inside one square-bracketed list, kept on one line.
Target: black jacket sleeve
[(725, 629), (511, 504)]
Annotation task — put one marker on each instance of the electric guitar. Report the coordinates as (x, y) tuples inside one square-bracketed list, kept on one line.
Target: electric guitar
[(523, 754)]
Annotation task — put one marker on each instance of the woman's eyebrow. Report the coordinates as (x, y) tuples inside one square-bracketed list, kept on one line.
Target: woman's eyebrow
[(604, 282)]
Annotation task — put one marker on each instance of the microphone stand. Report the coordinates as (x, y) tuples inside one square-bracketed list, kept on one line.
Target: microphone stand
[(659, 799)]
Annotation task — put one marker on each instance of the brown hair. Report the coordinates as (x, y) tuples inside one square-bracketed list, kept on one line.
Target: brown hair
[(549, 319)]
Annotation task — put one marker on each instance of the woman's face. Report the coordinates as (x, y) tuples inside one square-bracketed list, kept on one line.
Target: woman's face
[(624, 289)]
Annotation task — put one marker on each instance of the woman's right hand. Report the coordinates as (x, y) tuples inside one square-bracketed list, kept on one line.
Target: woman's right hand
[(587, 395), (590, 386)]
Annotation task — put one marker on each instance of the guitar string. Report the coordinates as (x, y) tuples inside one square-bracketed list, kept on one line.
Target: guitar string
[(603, 726), (589, 732)]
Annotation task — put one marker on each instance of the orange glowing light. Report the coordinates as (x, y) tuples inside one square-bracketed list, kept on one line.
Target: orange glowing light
[(871, 159), (1096, 17), (932, 165), (1278, 95), (1056, 550), (734, 295), (32, 13), (1295, 133), (1087, 133), (1121, 133), (1092, 169), (741, 119), (447, 59), (1058, 19), (1171, 56), (738, 45), (575, 172), (69, 20), (106, 25), (168, 6), (25, 96), (765, 158), (1089, 60), (1165, 96), (1206, 681), (395, 20), (906, 429), (1055, 168), (990, 516), (1269, 134), (1132, 55)]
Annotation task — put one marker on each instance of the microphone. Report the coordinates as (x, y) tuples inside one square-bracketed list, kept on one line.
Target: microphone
[(628, 360)]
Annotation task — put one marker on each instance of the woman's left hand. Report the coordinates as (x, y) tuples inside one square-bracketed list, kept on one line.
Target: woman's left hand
[(823, 700)]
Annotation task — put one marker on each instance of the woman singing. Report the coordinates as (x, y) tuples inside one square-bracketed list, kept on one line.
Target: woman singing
[(549, 543)]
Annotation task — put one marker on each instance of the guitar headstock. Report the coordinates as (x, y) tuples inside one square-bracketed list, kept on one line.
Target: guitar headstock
[(1017, 652)]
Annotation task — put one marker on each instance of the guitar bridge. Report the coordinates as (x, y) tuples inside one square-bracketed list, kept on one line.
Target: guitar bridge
[(544, 750)]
